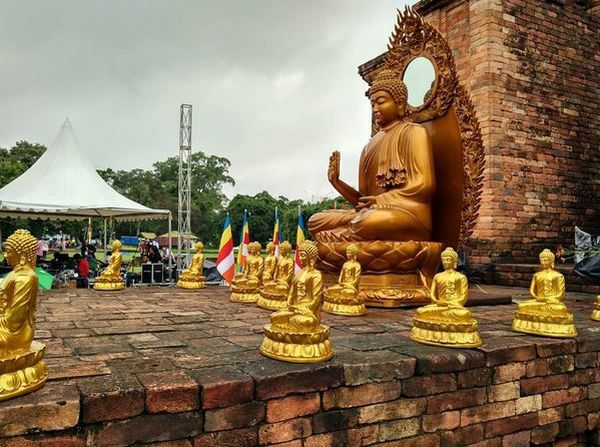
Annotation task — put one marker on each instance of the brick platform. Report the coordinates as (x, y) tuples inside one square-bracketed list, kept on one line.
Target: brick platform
[(170, 367)]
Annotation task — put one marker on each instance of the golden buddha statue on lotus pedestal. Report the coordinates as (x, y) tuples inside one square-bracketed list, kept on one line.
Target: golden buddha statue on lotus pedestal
[(343, 298), (419, 176), (446, 322), (110, 278), (22, 366), (270, 263), (296, 334), (546, 314), (596, 311), (192, 277), (245, 286), (273, 294)]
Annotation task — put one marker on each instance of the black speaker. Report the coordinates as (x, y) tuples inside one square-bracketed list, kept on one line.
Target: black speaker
[(146, 273)]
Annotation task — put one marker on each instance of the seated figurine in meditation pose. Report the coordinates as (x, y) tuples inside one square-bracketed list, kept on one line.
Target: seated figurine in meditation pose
[(270, 263), (22, 368), (343, 298), (546, 314), (296, 333), (110, 278), (192, 278), (245, 286), (273, 294), (446, 322)]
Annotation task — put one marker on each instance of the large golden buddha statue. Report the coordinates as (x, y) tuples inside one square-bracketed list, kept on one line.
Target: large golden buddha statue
[(110, 278), (22, 366), (192, 277), (245, 286), (419, 177), (343, 298), (446, 322), (546, 314), (273, 294), (270, 263), (296, 334)]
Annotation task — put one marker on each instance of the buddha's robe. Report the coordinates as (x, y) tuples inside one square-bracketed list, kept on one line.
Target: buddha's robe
[(19, 291), (251, 275), (348, 281), (396, 167), (548, 289), (114, 266), (449, 293), (270, 264), (194, 271), (282, 277)]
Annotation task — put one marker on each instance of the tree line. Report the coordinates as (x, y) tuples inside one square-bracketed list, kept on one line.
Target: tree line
[(157, 188)]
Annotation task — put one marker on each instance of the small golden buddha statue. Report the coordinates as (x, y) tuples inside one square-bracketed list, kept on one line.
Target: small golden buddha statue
[(446, 322), (596, 312), (270, 263), (273, 294), (546, 314), (245, 286), (192, 278), (22, 366), (296, 334), (110, 278), (343, 298)]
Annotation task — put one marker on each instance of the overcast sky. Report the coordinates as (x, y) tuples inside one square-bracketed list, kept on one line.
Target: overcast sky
[(273, 83)]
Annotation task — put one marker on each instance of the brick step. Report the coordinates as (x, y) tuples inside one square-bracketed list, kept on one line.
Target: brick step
[(519, 275)]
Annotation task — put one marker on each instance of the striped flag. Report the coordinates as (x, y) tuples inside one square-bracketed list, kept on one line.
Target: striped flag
[(225, 259), (244, 241), (300, 238), (276, 233)]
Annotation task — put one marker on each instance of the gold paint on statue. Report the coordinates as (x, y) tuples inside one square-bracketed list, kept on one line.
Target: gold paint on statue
[(546, 314), (446, 322), (343, 298), (245, 286), (296, 334), (273, 294), (110, 278), (270, 263), (192, 277), (22, 366), (596, 311)]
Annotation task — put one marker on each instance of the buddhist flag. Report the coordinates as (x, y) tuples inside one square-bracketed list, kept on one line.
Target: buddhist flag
[(244, 241), (225, 259), (89, 231), (276, 233), (300, 238)]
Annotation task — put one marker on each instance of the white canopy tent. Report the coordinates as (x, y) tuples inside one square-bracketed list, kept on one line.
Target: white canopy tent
[(63, 184)]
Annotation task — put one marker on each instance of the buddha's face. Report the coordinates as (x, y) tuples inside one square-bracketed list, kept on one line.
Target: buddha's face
[(12, 257), (304, 258), (350, 254), (385, 109), (546, 261), (448, 262)]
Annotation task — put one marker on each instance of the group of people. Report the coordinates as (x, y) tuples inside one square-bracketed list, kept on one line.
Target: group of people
[(151, 252)]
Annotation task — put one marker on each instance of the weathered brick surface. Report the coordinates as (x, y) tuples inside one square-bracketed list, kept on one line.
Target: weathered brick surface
[(292, 407), (170, 392), (370, 393), (223, 386), (236, 416)]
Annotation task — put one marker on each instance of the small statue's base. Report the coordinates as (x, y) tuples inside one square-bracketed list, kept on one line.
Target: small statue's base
[(346, 307), (244, 297), (23, 373), (393, 290), (448, 334), (191, 284), (271, 301), (297, 347), (558, 326), (108, 284), (596, 312)]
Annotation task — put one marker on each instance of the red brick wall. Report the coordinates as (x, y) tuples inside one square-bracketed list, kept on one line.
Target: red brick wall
[(532, 71)]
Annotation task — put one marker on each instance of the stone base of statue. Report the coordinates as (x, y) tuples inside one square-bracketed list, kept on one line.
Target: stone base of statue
[(394, 274), (559, 326), (23, 373), (455, 334), (272, 300), (109, 284), (244, 296), (297, 347), (344, 306), (191, 283), (596, 311)]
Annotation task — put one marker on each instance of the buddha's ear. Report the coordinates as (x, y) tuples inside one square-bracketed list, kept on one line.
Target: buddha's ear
[(402, 109)]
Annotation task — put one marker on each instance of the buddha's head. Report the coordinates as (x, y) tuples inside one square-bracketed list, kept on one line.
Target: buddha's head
[(388, 97), (308, 253), (254, 248), (352, 251), (285, 248), (449, 259), (21, 248), (116, 245), (199, 247), (547, 259), (270, 248)]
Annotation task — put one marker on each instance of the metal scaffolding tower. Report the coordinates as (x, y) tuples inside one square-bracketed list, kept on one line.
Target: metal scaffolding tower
[(184, 203)]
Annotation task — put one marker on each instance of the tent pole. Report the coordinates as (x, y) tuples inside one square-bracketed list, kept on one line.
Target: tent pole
[(105, 238), (170, 250)]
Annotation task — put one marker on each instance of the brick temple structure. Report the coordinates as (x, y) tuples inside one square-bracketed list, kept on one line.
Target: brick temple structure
[(532, 71)]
